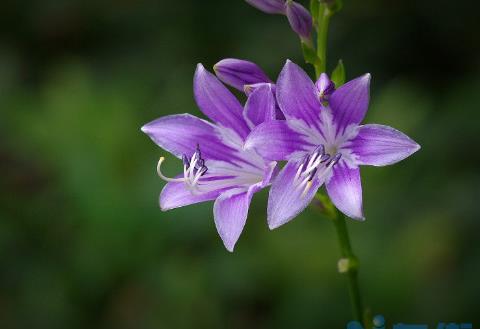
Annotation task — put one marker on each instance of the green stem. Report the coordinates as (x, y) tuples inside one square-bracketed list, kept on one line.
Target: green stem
[(323, 20), (348, 265)]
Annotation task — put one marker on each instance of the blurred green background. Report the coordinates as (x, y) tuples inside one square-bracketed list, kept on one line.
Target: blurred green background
[(83, 243)]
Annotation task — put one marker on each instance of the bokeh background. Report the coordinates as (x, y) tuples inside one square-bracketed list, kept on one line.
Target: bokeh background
[(83, 243)]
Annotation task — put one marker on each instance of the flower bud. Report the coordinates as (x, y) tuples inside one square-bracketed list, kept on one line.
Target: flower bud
[(299, 19), (268, 6), (325, 87), (237, 73)]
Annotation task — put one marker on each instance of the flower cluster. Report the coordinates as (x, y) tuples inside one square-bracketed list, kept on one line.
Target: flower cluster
[(314, 126), (311, 125)]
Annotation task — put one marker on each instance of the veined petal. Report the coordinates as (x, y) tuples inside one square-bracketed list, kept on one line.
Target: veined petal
[(379, 145), (276, 140), (349, 103), (180, 134), (238, 73), (230, 213), (175, 195), (217, 102), (249, 89), (296, 95), (260, 106), (285, 201), (345, 190)]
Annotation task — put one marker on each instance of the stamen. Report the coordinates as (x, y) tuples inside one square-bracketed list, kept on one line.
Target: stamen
[(193, 169), (316, 164)]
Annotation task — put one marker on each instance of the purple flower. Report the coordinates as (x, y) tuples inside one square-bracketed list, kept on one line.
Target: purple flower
[(299, 18), (215, 164), (323, 143)]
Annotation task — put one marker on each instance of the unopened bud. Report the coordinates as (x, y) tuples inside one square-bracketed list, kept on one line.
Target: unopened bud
[(299, 19), (238, 73), (325, 87)]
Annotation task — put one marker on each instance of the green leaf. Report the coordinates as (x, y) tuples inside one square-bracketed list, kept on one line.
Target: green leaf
[(338, 74), (309, 54)]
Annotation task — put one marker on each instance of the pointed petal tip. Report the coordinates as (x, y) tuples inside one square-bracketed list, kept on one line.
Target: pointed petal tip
[(416, 148), (359, 217), (272, 226), (200, 68), (229, 248)]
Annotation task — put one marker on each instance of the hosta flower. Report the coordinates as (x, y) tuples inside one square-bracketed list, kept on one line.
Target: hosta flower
[(323, 143), (215, 164)]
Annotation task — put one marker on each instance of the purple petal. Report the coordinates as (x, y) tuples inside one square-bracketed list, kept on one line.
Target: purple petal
[(175, 195), (238, 73), (276, 140), (345, 190), (349, 103), (269, 6), (285, 201), (217, 102), (296, 95), (180, 134), (230, 213), (299, 19), (260, 106), (249, 89), (379, 145)]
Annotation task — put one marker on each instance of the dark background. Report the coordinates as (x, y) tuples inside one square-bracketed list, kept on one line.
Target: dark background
[(83, 243)]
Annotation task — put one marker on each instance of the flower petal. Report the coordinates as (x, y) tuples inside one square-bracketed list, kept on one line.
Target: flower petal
[(230, 213), (296, 95), (217, 102), (260, 106), (249, 89), (175, 195), (238, 73), (345, 190), (349, 103), (285, 201), (180, 134), (276, 140), (379, 145)]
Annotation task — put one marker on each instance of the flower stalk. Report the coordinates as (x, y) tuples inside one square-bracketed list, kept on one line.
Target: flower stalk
[(348, 263), (323, 21)]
